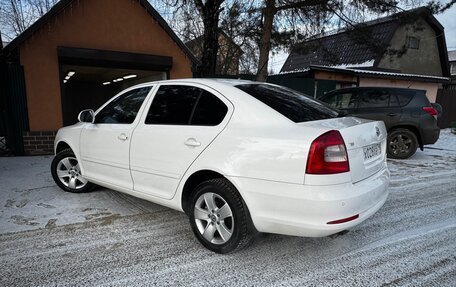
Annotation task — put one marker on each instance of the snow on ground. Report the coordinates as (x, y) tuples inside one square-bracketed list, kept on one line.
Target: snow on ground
[(437, 160), (31, 200), (49, 237)]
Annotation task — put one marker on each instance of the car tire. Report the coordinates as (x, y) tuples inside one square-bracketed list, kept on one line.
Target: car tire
[(219, 217), (401, 144), (67, 174)]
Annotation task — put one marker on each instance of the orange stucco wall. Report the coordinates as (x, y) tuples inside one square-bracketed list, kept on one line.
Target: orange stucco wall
[(117, 25), (431, 88), (322, 75)]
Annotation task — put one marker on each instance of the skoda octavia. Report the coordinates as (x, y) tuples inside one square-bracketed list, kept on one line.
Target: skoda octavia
[(236, 156)]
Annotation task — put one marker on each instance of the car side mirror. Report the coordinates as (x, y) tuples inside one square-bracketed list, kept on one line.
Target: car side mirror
[(86, 116)]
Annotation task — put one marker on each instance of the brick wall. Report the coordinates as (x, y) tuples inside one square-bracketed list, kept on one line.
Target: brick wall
[(38, 143)]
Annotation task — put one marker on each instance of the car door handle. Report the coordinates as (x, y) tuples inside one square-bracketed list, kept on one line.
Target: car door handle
[(122, 137), (392, 114), (192, 142)]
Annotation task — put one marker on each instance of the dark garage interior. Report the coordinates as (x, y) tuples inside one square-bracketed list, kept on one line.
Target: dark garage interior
[(86, 87)]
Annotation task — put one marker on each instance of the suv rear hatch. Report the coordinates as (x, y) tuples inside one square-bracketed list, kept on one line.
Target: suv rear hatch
[(365, 141)]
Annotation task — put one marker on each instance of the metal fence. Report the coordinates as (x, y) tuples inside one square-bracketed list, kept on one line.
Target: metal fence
[(13, 109), (447, 98)]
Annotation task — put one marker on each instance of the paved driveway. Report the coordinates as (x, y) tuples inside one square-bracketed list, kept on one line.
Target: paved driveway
[(49, 237)]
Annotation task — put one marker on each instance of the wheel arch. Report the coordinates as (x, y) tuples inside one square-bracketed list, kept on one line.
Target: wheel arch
[(61, 145), (198, 177), (193, 181)]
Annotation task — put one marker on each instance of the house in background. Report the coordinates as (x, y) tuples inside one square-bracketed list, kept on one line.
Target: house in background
[(228, 56), (406, 49), (452, 61), (77, 56)]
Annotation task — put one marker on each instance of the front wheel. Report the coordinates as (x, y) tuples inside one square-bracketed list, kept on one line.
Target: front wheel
[(402, 144), (66, 173), (219, 217)]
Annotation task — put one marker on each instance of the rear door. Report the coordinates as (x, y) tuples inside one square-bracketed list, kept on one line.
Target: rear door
[(180, 123), (380, 105)]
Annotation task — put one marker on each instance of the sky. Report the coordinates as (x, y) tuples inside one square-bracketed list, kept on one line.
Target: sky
[(448, 20)]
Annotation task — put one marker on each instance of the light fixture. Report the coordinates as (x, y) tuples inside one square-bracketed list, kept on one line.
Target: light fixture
[(71, 73), (119, 79), (106, 83), (64, 81), (67, 77), (114, 81), (130, 76)]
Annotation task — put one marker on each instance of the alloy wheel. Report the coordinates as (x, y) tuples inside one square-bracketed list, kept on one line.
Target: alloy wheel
[(400, 144), (214, 218), (69, 173)]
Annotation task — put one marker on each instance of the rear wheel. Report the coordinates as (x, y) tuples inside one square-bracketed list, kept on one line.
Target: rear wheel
[(219, 217), (402, 143), (66, 173)]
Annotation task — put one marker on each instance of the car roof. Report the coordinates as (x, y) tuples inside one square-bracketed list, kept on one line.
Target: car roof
[(206, 81)]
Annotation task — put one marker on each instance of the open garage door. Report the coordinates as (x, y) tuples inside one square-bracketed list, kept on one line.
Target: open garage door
[(88, 78)]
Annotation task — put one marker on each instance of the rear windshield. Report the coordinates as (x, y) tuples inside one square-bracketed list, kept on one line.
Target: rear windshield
[(293, 105)]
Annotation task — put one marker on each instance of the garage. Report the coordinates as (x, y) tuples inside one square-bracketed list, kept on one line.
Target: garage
[(80, 54)]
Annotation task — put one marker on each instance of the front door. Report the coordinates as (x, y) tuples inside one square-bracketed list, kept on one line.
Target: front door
[(181, 122), (344, 100), (105, 144)]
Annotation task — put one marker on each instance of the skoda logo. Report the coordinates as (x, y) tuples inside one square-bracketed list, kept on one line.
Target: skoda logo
[(377, 131)]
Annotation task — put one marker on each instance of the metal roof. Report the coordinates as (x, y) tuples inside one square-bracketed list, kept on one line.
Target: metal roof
[(379, 74)]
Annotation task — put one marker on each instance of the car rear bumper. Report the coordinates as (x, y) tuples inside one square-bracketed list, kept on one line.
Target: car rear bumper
[(304, 210), (430, 135)]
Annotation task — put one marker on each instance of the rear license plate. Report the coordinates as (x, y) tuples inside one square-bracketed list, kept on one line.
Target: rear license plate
[(371, 151)]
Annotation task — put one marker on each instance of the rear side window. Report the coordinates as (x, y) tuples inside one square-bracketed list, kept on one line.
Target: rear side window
[(404, 97), (209, 111), (185, 105), (374, 99), (291, 104), (172, 105), (345, 100)]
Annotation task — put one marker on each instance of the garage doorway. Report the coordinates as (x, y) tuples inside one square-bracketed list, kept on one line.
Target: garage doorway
[(88, 77), (85, 87)]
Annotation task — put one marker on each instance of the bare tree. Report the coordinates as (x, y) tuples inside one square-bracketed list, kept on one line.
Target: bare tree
[(18, 15), (208, 14)]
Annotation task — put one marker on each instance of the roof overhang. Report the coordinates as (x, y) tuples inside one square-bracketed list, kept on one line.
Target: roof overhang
[(366, 74), (104, 58)]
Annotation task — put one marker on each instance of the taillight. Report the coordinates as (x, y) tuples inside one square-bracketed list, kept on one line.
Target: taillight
[(431, 111), (328, 155)]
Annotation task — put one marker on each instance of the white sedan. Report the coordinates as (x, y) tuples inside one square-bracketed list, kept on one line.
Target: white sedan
[(236, 156)]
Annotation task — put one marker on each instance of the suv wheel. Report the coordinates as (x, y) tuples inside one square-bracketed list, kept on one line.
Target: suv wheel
[(67, 174), (219, 217), (402, 144)]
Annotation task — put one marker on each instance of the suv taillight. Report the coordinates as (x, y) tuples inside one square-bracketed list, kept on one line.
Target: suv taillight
[(328, 155), (431, 111)]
